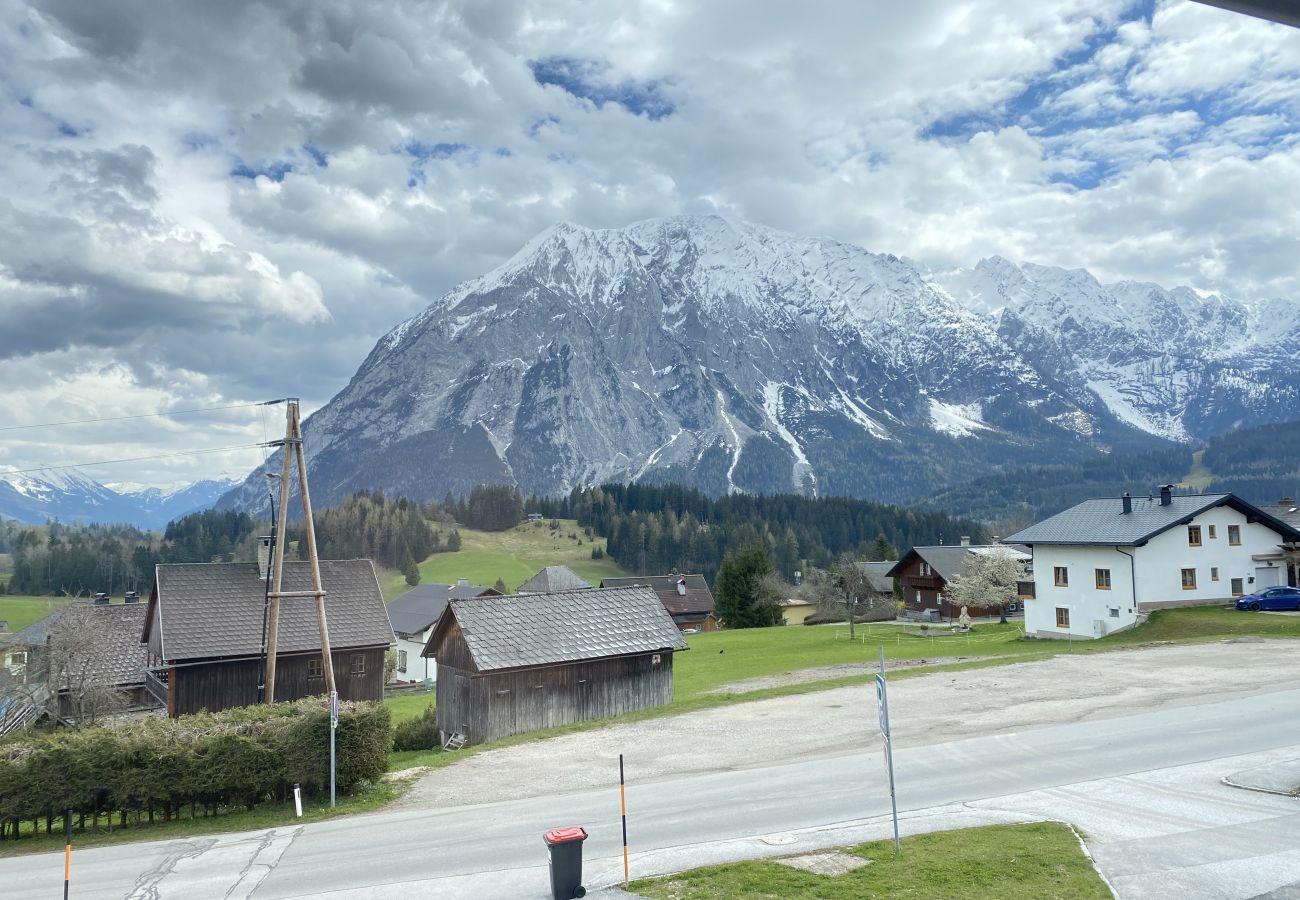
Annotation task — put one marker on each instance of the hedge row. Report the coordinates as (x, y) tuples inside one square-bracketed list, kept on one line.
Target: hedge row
[(239, 757)]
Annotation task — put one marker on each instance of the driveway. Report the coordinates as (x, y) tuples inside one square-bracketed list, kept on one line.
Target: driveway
[(928, 709)]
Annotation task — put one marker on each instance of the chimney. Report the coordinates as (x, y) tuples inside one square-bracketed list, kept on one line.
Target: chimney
[(1166, 494), (101, 599), (132, 597), (681, 586), (965, 540), (264, 557), (462, 582), (1286, 501), (1127, 500)]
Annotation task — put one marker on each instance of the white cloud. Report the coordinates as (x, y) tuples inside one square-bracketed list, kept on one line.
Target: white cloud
[(409, 146)]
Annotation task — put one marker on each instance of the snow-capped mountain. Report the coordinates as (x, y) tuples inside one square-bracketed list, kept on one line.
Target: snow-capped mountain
[(71, 497), (730, 356)]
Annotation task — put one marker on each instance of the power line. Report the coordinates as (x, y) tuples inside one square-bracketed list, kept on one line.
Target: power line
[(105, 462), (175, 412)]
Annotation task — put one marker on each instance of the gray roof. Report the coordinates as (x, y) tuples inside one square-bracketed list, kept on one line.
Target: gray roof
[(878, 574), (552, 579), (950, 560), (1103, 521), (696, 599), (215, 609), (1286, 512), (421, 606), (567, 626), (121, 658)]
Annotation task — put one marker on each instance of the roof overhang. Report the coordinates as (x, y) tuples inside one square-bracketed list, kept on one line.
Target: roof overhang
[(1284, 12)]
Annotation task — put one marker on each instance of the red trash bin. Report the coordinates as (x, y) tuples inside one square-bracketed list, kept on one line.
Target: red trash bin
[(564, 846)]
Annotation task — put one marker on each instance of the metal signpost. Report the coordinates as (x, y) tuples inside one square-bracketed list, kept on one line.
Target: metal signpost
[(334, 724), (882, 701)]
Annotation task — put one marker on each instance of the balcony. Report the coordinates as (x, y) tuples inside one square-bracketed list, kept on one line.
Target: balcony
[(156, 687)]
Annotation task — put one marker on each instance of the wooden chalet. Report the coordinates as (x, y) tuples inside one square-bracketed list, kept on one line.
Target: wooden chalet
[(204, 633), (924, 572), (518, 663), (686, 597)]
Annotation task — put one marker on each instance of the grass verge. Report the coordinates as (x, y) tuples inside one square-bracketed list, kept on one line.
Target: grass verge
[(1001, 862), (368, 798)]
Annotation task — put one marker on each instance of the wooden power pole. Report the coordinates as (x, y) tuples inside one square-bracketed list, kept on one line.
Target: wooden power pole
[(292, 444)]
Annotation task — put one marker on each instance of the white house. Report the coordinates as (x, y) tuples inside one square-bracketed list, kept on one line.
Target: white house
[(1100, 566), (413, 616)]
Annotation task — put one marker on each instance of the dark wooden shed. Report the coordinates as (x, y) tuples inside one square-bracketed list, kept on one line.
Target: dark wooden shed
[(203, 629), (512, 664)]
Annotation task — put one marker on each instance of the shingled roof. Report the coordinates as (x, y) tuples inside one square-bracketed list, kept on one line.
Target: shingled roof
[(421, 606), (553, 579), (121, 657), (878, 575), (697, 598), (567, 626), (210, 610), (1103, 521)]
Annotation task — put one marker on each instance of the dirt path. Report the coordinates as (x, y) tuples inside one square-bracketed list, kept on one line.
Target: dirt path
[(927, 709)]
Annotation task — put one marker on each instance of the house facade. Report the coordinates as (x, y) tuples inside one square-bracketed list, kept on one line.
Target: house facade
[(1103, 565), (519, 663), (204, 633), (413, 616)]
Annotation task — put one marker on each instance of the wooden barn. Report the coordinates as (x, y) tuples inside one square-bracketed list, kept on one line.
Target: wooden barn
[(203, 629), (518, 663)]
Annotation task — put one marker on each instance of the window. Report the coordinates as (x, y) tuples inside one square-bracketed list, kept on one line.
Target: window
[(1193, 535), (401, 660), (1214, 573), (1062, 617), (1103, 579), (1189, 579), (1213, 534), (1114, 612), (925, 570), (358, 664), (314, 669), (1237, 587), (1061, 575), (1234, 535)]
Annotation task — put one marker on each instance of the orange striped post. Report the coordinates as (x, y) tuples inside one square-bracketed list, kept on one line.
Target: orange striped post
[(67, 851), (622, 798)]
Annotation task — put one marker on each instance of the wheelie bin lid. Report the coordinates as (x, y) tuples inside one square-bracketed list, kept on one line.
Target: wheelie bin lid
[(565, 835)]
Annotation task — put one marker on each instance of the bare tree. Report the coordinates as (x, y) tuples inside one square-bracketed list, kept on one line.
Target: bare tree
[(843, 589), (989, 580), (74, 664)]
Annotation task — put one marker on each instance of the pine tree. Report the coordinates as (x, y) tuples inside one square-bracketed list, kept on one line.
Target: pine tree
[(500, 586), (737, 590), (453, 541)]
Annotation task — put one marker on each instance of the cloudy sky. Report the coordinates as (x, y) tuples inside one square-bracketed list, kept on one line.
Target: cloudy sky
[(211, 204)]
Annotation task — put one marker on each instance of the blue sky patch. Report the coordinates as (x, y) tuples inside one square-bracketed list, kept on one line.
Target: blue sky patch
[(423, 151), (274, 171), (591, 80), (317, 156)]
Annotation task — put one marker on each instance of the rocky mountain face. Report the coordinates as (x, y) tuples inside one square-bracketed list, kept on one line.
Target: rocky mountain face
[(733, 357), (71, 497)]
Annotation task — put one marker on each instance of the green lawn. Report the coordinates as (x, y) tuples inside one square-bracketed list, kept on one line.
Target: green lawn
[(1037, 861), (407, 706), (514, 556), (20, 611)]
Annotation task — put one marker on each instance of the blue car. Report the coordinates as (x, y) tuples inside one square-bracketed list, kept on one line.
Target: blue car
[(1271, 598)]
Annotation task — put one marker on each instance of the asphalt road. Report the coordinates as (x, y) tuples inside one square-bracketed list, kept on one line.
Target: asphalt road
[(496, 850)]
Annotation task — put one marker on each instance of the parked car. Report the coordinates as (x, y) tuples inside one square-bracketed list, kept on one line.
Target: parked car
[(1271, 598)]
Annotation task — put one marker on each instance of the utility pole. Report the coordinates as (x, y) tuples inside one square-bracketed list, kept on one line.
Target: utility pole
[(292, 444)]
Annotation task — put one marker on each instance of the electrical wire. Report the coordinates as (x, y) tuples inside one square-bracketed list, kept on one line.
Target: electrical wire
[(175, 412), (105, 462)]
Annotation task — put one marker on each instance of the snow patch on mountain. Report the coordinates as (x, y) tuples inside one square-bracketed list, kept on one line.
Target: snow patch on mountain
[(956, 419)]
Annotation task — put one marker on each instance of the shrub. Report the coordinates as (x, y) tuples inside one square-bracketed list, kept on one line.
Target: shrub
[(420, 733), (236, 758)]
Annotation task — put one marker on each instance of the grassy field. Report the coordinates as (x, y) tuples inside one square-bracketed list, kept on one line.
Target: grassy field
[(999, 862), (514, 556), (20, 611)]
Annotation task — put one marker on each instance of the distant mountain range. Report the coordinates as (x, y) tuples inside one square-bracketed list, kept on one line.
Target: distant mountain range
[(71, 497), (732, 357)]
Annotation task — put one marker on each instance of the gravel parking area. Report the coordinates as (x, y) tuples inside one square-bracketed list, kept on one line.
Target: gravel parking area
[(927, 709)]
